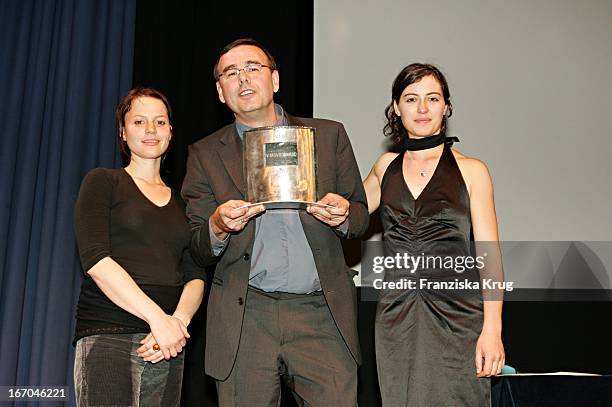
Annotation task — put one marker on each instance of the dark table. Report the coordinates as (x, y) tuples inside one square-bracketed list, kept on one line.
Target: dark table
[(558, 391)]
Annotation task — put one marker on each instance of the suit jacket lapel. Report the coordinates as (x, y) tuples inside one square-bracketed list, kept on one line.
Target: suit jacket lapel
[(231, 156)]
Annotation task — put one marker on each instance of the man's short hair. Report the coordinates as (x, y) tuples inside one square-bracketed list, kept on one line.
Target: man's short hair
[(239, 42)]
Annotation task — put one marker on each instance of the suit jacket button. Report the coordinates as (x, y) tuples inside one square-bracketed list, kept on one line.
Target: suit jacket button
[(240, 301), (246, 257)]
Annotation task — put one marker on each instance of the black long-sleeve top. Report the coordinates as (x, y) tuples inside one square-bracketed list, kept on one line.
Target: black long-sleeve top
[(113, 218)]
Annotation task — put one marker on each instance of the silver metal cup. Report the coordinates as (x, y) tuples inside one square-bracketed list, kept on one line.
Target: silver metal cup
[(280, 166)]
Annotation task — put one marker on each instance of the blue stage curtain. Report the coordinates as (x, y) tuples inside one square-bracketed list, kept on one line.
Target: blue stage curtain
[(64, 64)]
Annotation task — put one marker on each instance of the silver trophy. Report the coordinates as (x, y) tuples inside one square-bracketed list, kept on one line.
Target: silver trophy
[(280, 166)]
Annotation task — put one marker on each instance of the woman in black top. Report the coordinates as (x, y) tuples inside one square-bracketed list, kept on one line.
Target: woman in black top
[(433, 346), (141, 286)]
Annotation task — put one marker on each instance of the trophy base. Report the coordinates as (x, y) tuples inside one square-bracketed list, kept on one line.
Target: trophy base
[(300, 205)]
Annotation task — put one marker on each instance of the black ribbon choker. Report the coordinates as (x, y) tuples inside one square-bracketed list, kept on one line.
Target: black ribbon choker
[(415, 144)]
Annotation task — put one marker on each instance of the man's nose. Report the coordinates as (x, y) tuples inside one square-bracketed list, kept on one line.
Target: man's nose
[(242, 75)]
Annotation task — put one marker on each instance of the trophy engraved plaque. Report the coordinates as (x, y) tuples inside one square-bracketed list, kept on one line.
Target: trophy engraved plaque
[(280, 166)]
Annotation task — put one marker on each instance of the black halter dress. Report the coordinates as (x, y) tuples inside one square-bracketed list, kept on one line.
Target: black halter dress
[(425, 343)]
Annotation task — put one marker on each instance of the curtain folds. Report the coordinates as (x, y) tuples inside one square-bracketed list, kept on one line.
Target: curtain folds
[(63, 68)]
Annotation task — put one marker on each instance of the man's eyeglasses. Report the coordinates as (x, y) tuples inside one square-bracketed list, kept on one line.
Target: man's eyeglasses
[(249, 69)]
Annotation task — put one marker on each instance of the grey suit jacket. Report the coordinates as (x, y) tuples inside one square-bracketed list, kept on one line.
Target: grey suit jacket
[(214, 176)]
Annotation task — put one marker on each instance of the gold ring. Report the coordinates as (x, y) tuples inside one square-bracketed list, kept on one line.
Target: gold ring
[(156, 347)]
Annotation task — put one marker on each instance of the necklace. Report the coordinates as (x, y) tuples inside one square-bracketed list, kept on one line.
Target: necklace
[(423, 172), (427, 143)]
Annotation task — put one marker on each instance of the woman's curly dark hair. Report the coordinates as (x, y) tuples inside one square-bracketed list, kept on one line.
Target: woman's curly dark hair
[(409, 75)]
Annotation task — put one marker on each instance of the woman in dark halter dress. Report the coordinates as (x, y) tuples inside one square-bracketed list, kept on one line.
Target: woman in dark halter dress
[(432, 351)]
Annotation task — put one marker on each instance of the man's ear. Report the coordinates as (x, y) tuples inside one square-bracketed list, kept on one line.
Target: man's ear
[(220, 92), (275, 80)]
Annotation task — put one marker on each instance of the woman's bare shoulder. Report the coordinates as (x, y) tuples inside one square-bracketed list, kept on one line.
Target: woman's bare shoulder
[(383, 162), (470, 165)]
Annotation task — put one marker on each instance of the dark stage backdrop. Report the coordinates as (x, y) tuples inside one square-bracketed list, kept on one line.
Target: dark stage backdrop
[(176, 47)]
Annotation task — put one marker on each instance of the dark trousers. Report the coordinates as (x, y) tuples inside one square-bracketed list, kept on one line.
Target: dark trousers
[(290, 337), (109, 372)]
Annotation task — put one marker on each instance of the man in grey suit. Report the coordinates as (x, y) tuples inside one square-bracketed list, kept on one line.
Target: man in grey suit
[(282, 304)]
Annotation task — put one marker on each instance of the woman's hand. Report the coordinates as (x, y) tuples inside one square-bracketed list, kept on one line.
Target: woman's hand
[(490, 357), (183, 317), (152, 353), (191, 297), (147, 350), (170, 334)]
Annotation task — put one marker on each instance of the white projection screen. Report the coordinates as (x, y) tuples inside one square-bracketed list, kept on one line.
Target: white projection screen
[(531, 86)]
